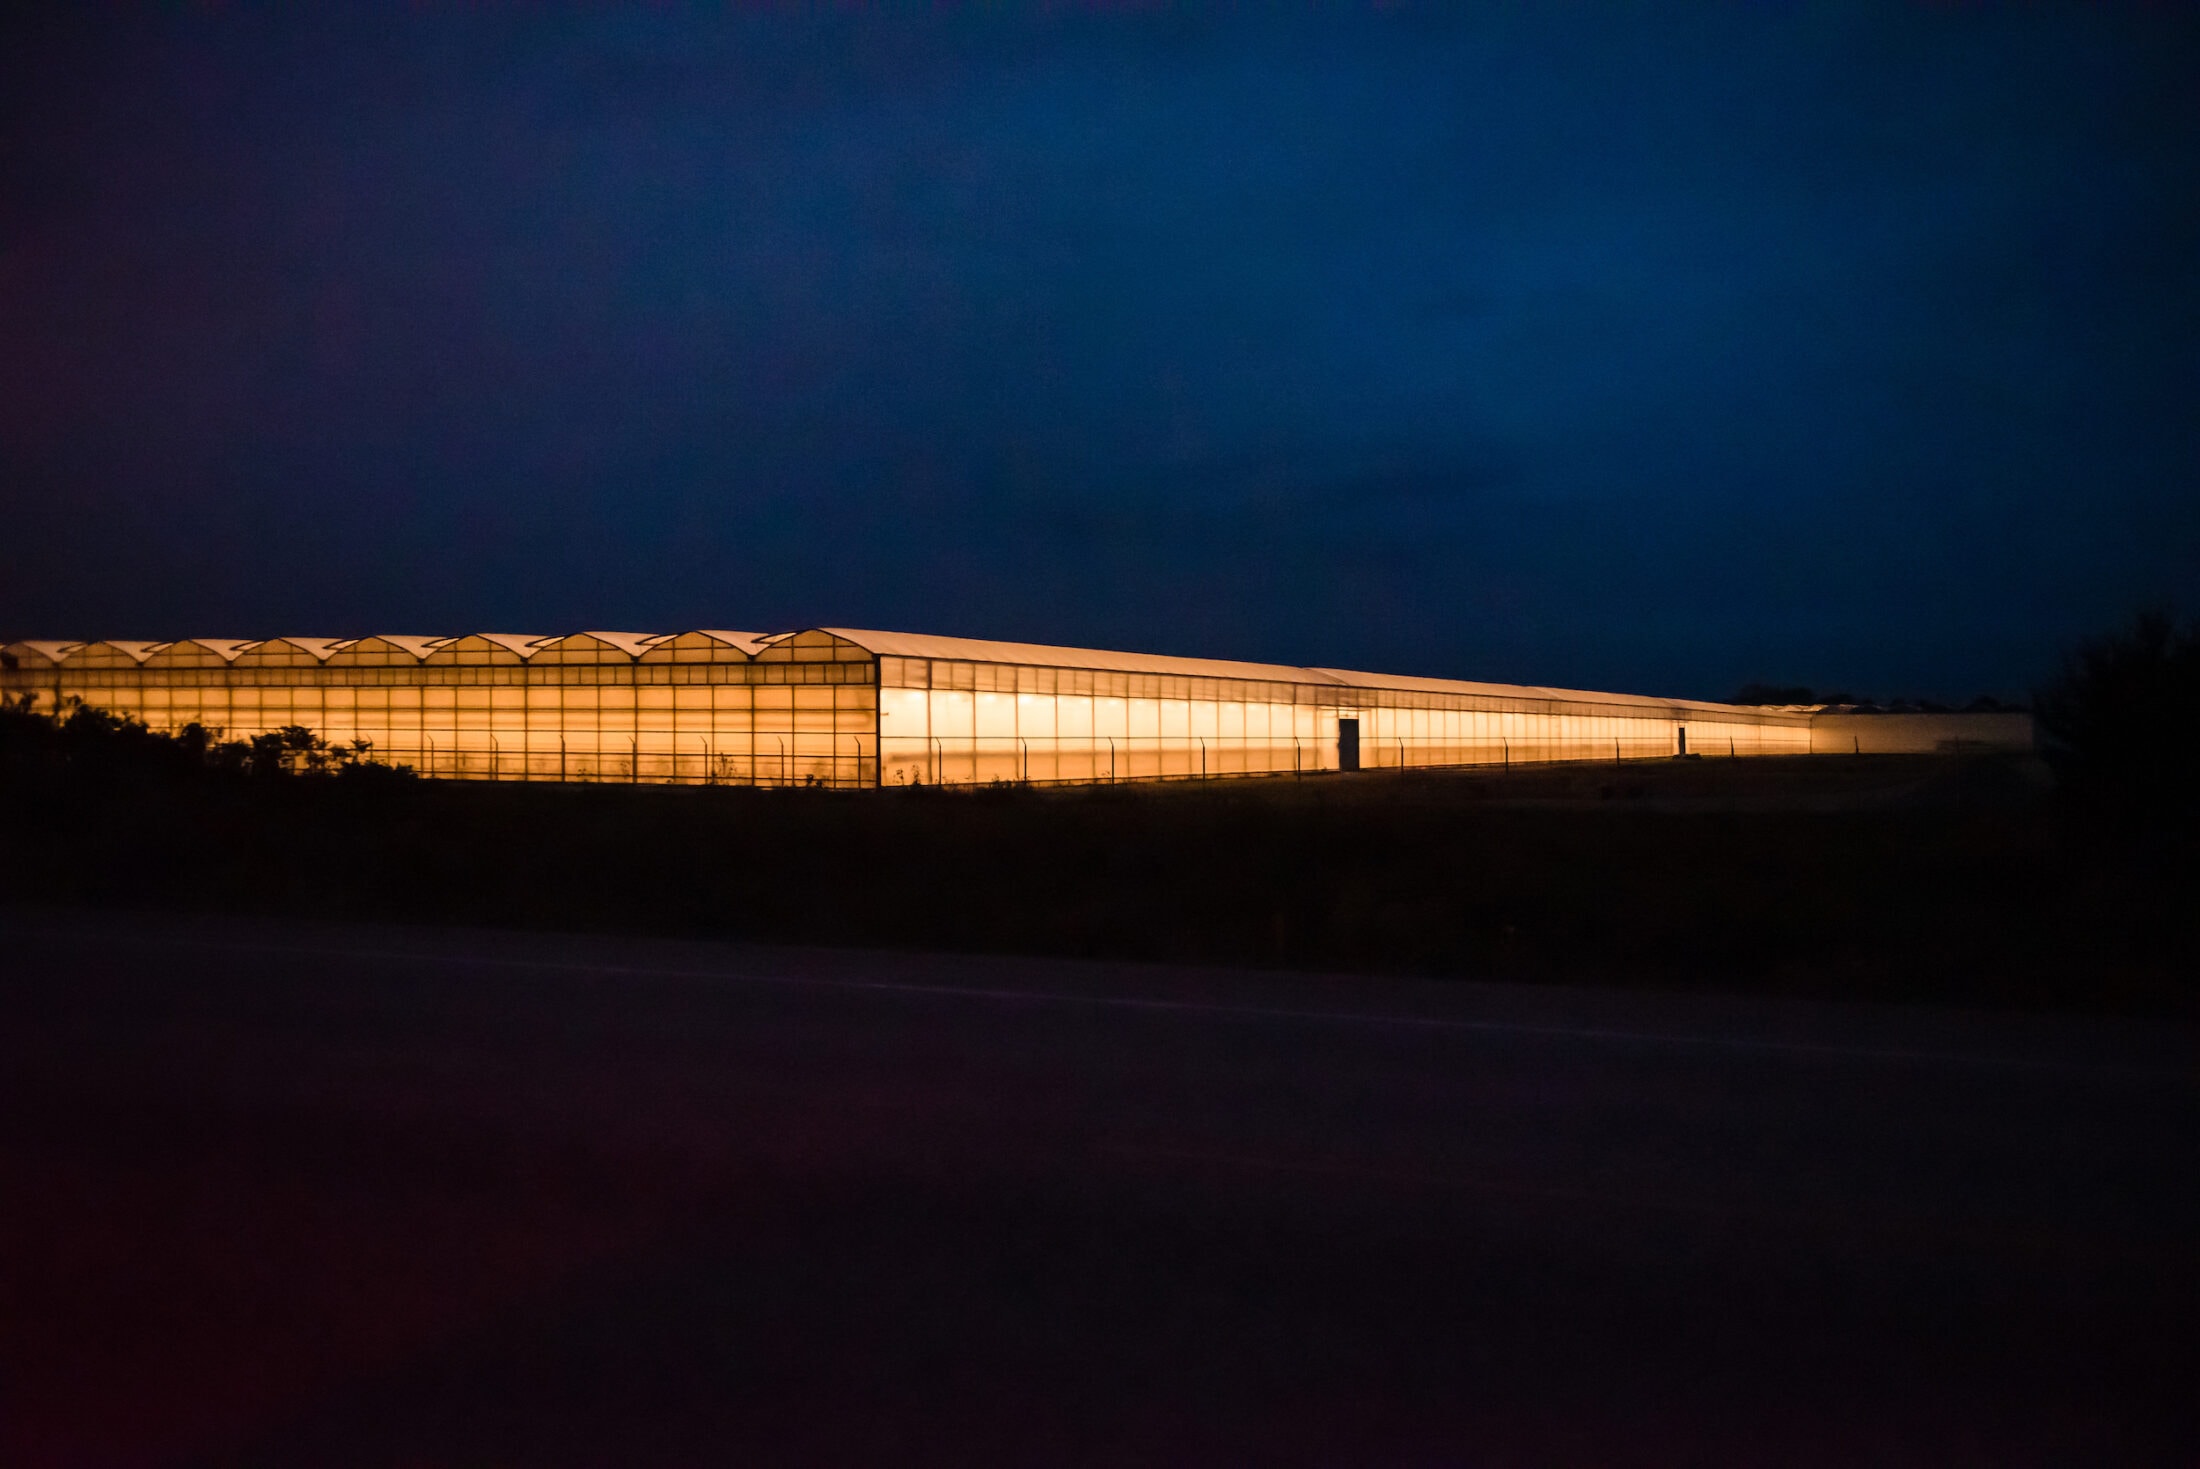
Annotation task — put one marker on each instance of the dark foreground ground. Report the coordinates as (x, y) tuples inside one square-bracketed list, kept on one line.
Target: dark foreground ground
[(1966, 881), (282, 1194)]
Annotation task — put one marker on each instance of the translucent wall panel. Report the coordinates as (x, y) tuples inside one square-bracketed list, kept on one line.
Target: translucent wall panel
[(815, 707), (1846, 732), (954, 722), (698, 708), (30, 673)]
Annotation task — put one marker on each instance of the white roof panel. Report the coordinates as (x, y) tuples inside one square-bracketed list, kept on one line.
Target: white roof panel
[(747, 642), (674, 647), (1042, 655), (417, 646), (225, 649), (130, 648), (316, 648), (52, 652), (979, 650), (519, 644), (633, 644)]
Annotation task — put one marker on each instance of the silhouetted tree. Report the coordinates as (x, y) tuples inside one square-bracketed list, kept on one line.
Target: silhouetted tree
[(89, 744), (2119, 723)]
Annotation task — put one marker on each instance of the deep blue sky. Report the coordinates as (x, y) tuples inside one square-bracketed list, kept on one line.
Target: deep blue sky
[(1637, 347)]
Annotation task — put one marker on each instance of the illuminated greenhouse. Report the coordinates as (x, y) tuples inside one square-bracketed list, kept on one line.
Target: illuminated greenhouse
[(848, 707)]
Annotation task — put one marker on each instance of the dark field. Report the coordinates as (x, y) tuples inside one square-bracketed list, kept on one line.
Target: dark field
[(284, 1180), (290, 1194), (1961, 880)]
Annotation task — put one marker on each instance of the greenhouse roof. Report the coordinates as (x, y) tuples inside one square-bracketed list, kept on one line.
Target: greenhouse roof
[(52, 652), (982, 650), (979, 650), (662, 646)]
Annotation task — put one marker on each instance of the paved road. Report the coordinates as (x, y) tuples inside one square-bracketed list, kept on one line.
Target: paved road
[(291, 1195)]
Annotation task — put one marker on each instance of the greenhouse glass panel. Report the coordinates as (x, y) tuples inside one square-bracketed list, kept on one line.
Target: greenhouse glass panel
[(849, 708)]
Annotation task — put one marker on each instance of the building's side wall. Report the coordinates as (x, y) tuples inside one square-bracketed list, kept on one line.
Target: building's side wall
[(798, 719), (1918, 734), (945, 721), (1460, 729), (955, 722)]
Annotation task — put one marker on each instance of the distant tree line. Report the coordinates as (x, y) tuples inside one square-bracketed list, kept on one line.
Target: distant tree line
[(87, 742), (1764, 693), (2119, 722)]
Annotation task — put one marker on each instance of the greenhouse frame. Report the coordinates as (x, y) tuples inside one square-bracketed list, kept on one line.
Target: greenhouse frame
[(853, 708)]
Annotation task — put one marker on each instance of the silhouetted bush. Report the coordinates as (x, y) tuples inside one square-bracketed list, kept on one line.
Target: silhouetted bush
[(86, 744), (2121, 723)]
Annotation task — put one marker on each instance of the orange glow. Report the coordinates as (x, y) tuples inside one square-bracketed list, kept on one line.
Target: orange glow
[(850, 708)]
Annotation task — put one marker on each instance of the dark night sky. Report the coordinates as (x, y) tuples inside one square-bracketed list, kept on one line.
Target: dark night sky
[(1850, 346)]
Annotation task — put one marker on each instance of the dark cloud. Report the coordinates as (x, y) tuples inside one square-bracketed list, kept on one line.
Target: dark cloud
[(1853, 346)]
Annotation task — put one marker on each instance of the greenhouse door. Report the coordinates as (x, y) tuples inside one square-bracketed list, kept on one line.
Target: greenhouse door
[(1348, 744)]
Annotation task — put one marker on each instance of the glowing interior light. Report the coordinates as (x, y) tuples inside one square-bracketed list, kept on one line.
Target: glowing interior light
[(846, 707)]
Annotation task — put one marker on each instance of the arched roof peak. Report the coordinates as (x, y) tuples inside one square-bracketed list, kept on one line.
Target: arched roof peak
[(39, 652), (187, 652), (487, 647), (812, 645), (705, 645), (595, 647), (380, 648), (292, 650), (109, 652)]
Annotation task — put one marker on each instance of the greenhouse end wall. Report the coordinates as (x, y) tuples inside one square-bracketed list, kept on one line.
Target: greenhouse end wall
[(855, 708)]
